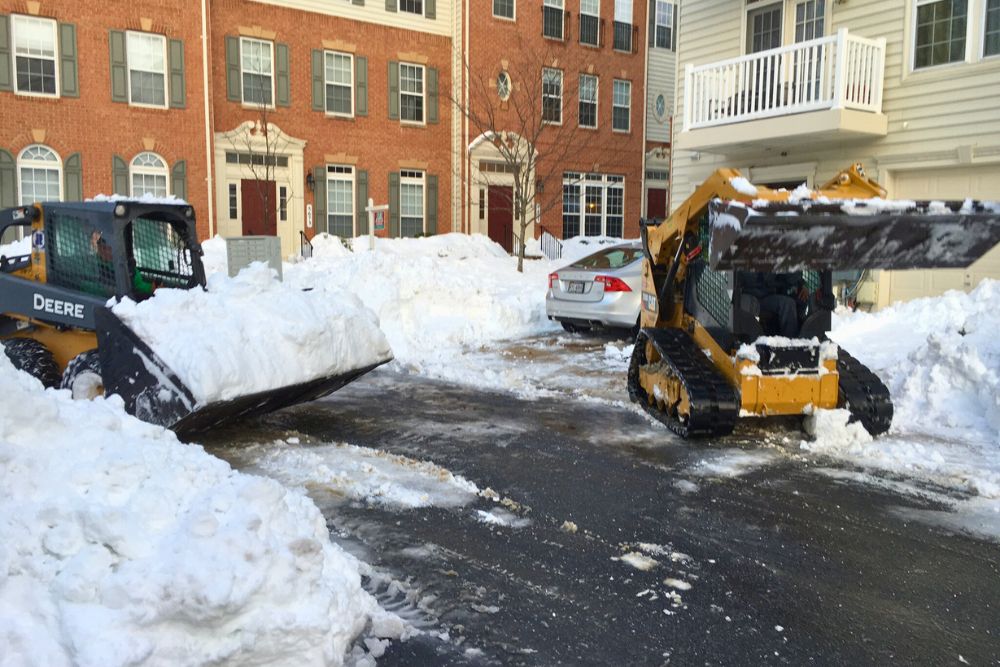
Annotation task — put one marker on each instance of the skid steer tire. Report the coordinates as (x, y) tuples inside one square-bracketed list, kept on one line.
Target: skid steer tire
[(32, 357), (83, 376)]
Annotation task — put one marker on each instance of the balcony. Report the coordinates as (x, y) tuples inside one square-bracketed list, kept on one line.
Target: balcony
[(823, 90)]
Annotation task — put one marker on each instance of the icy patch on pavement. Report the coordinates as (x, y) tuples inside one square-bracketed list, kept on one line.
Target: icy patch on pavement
[(121, 546), (732, 463), (499, 517), (340, 470)]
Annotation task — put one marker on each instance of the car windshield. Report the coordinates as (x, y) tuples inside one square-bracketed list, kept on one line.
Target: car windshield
[(612, 258)]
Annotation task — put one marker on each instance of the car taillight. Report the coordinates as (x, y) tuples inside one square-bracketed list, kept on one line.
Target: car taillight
[(553, 278), (612, 284)]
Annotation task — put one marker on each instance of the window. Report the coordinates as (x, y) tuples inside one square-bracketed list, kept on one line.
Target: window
[(940, 32), (149, 175), (552, 19), (283, 203), (593, 205), (412, 6), (621, 106), (256, 60), (503, 9), (269, 160), (552, 95), (40, 175), (809, 17), (339, 83), (623, 25), (503, 86), (991, 31), (411, 92), (664, 24), (763, 28), (656, 174), (34, 55), (146, 56), (590, 22), (340, 200), (411, 203), (588, 100), (233, 210)]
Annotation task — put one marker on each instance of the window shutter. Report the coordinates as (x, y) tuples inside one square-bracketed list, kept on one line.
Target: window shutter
[(119, 170), (234, 87), (432, 205), (73, 178), (360, 214), (318, 81), (390, 5), (175, 56), (119, 67), (393, 90), (394, 204), (178, 180), (652, 22), (360, 86), (281, 84), (430, 9), (319, 199), (359, 3), (8, 180), (432, 95), (6, 63), (673, 30), (68, 77)]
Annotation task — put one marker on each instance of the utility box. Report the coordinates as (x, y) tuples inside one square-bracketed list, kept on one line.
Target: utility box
[(242, 250)]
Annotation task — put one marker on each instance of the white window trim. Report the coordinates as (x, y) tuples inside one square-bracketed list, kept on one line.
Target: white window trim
[(614, 106), (598, 17), (562, 81), (581, 181), (273, 76), (423, 9), (13, 56), (38, 164), (423, 94), (233, 189), (327, 82), (753, 5), (512, 19), (561, 6), (148, 171), (912, 6), (657, 25), (413, 180), (982, 37), (166, 72), (352, 178), (597, 103)]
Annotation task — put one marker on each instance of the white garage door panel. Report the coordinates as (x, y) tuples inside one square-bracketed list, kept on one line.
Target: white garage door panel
[(958, 183)]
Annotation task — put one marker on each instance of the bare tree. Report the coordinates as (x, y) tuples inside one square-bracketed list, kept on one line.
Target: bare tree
[(259, 146), (530, 110)]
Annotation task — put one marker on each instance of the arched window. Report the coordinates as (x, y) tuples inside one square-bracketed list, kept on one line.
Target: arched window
[(149, 175), (39, 174)]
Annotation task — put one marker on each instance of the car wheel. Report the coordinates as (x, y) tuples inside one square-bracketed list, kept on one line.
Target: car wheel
[(83, 376), (573, 328), (32, 357)]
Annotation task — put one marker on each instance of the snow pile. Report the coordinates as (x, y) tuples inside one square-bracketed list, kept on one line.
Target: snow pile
[(253, 333), (579, 247), (144, 199), (743, 186), (121, 546)]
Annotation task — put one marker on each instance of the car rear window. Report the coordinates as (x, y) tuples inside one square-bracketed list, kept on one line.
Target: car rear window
[(612, 258)]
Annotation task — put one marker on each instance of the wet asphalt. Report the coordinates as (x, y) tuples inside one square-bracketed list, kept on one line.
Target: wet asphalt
[(785, 565)]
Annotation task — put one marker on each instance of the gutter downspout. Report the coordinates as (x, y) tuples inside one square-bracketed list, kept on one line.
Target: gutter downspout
[(645, 122), (466, 153), (209, 180)]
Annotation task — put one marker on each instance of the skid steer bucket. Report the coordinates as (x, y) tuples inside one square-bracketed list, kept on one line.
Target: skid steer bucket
[(856, 234), (153, 392)]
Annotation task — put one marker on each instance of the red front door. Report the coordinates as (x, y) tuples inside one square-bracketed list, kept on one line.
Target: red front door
[(501, 226), (260, 202), (656, 203)]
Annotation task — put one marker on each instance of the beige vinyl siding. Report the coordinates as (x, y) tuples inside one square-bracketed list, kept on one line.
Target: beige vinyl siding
[(373, 11), (938, 117), (662, 66)]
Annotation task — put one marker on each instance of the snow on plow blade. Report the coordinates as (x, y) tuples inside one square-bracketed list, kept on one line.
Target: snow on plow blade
[(153, 392), (859, 234)]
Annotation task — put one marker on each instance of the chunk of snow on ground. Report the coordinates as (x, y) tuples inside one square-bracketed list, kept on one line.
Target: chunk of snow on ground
[(685, 486), (253, 333), (568, 527), (119, 546), (499, 517), (638, 561), (679, 584), (733, 462), (340, 470)]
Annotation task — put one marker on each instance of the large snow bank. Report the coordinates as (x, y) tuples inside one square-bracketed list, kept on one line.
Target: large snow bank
[(253, 333), (121, 546)]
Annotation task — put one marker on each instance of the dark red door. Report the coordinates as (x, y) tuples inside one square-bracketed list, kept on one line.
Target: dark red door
[(656, 203), (501, 227), (259, 200)]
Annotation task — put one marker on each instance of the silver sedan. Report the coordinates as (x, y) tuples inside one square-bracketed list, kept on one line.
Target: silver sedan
[(601, 289)]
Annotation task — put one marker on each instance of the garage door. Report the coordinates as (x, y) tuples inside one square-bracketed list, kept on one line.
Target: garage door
[(955, 183)]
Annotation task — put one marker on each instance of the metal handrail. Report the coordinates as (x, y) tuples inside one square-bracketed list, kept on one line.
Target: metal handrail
[(305, 245)]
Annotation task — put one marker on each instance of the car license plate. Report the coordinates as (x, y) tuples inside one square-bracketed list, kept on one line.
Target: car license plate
[(575, 288)]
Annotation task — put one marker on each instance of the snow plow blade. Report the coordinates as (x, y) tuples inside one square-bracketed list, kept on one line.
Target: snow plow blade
[(857, 234), (153, 392)]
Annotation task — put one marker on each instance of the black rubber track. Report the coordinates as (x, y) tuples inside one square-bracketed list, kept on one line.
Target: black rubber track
[(714, 402), (864, 394), (32, 357)]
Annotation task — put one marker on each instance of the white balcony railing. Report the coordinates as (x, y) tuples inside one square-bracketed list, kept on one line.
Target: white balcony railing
[(839, 71)]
